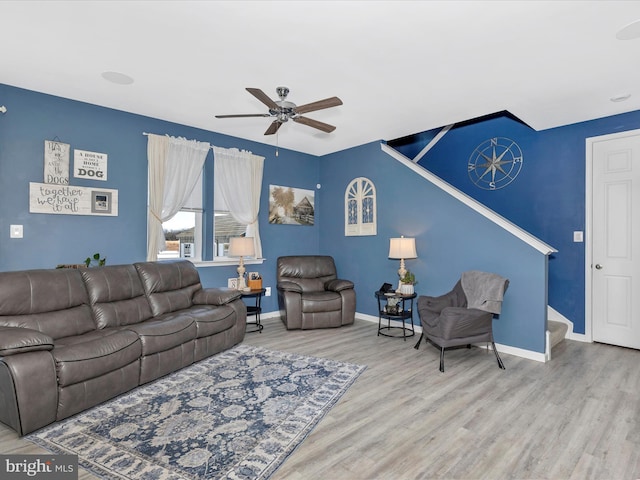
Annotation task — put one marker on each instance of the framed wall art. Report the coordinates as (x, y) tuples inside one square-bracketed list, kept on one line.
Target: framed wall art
[(56, 162), (291, 206), (72, 200)]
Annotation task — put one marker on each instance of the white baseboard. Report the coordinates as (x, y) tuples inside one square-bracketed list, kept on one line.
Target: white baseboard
[(518, 352)]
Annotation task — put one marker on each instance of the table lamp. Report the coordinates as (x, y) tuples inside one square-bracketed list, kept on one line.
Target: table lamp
[(241, 247), (402, 248)]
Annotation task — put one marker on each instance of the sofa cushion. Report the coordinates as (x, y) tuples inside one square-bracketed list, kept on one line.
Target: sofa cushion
[(307, 266), (116, 295), (211, 320), (54, 302), (165, 332), (82, 357), (315, 302), (169, 286)]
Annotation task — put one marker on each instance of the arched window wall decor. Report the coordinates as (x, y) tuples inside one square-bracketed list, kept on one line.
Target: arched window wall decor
[(360, 213)]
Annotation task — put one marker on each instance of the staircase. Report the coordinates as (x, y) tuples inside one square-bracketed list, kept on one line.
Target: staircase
[(557, 332)]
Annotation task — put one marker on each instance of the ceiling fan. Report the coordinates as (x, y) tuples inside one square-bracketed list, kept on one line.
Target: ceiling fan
[(283, 110)]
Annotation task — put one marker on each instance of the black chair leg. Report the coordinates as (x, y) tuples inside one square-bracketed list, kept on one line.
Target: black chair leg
[(442, 359), (500, 364), (417, 345)]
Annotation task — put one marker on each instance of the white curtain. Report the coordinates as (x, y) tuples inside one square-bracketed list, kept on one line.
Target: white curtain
[(174, 167), (238, 178)]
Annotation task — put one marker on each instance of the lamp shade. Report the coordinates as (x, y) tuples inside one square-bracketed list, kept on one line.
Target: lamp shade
[(241, 247), (402, 248)]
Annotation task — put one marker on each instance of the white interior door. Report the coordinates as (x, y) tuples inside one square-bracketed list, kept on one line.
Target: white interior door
[(616, 241)]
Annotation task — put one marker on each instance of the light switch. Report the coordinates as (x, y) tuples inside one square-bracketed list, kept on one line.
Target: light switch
[(15, 231), (578, 237)]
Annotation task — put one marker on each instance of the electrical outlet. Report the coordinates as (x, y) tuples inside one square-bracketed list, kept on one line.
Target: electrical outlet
[(578, 236), (267, 293)]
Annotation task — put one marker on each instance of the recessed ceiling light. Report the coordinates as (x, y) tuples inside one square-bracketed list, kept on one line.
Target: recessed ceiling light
[(117, 77), (629, 32), (620, 98)]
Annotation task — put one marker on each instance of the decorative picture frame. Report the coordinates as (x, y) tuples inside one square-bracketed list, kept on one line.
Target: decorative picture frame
[(72, 200), (100, 202), (232, 283), (291, 206)]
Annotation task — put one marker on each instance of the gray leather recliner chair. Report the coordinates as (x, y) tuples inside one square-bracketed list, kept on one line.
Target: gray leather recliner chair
[(450, 320), (310, 294)]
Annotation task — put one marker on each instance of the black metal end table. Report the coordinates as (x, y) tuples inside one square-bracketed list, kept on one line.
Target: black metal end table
[(254, 310), (403, 312)]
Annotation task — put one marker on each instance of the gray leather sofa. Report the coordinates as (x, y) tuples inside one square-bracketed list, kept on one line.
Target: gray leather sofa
[(71, 339), (310, 294)]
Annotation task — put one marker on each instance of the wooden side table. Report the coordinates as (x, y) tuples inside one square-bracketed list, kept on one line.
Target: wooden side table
[(403, 313), (254, 310)]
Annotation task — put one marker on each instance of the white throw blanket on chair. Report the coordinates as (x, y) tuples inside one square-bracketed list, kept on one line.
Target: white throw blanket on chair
[(483, 290)]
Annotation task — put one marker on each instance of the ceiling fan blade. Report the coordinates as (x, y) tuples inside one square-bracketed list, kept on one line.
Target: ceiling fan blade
[(319, 105), (242, 115), (325, 127), (260, 95), (273, 128)]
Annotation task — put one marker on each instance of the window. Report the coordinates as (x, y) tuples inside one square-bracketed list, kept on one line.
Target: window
[(237, 183), (225, 227), (177, 187), (183, 232), (360, 208)]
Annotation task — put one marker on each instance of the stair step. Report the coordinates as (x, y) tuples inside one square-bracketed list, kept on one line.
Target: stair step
[(557, 331)]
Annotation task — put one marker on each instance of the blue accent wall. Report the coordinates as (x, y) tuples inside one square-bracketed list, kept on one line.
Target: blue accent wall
[(50, 240), (546, 199), (548, 196), (450, 238)]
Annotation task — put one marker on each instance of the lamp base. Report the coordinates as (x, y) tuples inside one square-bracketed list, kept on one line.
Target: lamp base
[(242, 286)]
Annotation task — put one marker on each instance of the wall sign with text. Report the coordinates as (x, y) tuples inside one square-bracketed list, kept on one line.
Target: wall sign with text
[(56, 162), (91, 165), (72, 200)]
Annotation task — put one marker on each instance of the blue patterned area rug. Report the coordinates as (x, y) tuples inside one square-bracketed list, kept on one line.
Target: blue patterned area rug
[(238, 414)]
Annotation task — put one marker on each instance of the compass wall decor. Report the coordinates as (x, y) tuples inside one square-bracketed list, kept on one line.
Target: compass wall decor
[(495, 163)]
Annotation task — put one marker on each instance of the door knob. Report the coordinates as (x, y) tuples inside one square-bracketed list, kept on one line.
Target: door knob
[(598, 266)]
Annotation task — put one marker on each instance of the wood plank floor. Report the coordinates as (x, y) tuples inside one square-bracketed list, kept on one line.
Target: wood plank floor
[(576, 417)]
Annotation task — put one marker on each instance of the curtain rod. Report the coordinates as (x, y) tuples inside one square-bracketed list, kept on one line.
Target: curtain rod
[(146, 134)]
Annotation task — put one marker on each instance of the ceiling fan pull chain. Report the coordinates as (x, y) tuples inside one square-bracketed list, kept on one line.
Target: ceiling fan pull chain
[(277, 143)]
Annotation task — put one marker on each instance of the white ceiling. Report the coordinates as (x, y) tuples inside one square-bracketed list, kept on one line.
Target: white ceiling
[(399, 67)]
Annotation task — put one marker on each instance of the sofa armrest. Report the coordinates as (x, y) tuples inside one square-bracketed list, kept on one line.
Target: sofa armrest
[(338, 285), (215, 296), (289, 287), (15, 340)]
